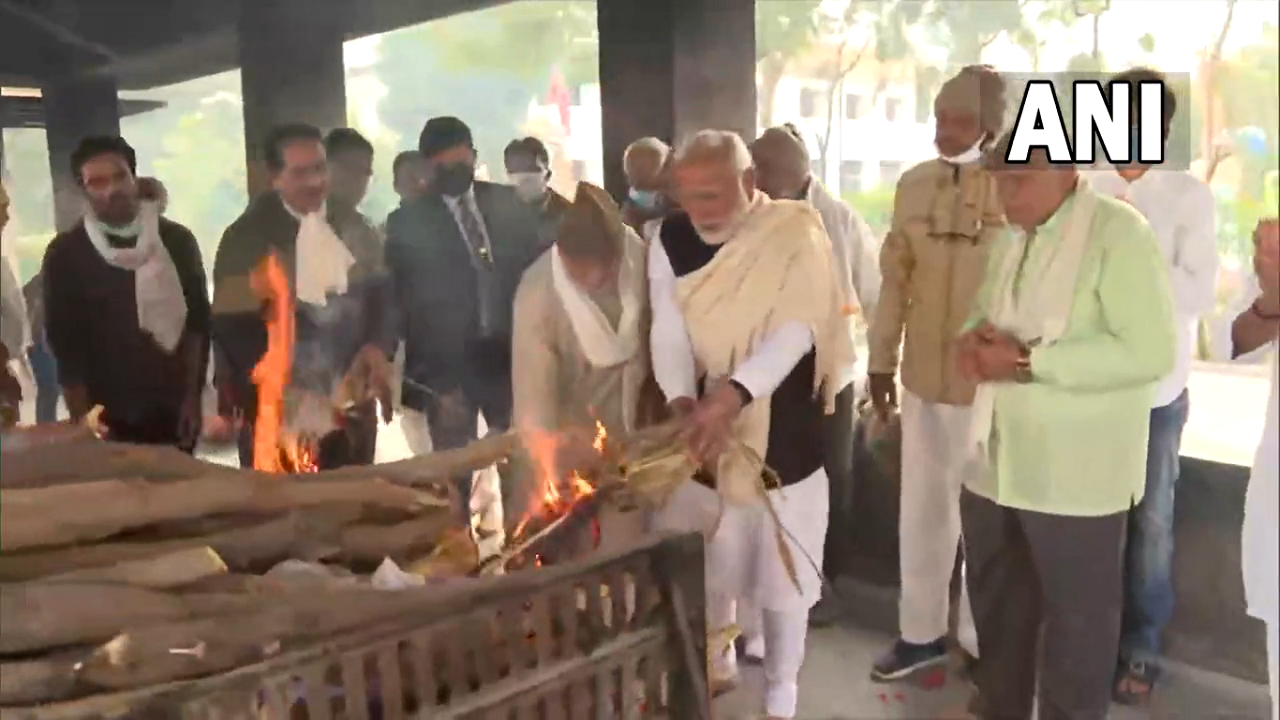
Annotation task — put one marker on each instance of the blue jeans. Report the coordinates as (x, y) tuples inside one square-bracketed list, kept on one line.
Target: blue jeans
[(1149, 556), (44, 368)]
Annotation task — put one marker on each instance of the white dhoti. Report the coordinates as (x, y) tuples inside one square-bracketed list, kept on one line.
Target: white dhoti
[(934, 466), (744, 566)]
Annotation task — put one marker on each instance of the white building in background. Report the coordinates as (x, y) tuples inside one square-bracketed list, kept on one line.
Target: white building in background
[(878, 129)]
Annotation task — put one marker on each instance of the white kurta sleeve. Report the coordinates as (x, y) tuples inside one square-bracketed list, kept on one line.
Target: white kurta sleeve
[(775, 358), (673, 365)]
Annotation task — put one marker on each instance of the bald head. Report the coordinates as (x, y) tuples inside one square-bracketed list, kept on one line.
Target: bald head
[(643, 162), (781, 162)]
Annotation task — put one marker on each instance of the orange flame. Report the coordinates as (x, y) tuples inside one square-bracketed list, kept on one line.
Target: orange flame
[(558, 488), (272, 452)]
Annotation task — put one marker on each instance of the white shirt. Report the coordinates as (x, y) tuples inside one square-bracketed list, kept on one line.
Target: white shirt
[(1182, 212), (857, 255), (856, 248), (673, 358)]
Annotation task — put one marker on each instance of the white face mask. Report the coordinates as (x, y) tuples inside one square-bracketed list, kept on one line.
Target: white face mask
[(529, 186), (972, 155)]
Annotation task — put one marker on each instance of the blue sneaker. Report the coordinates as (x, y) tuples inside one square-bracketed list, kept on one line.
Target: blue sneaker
[(905, 658)]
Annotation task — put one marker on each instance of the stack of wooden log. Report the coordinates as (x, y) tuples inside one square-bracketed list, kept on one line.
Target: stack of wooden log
[(122, 566)]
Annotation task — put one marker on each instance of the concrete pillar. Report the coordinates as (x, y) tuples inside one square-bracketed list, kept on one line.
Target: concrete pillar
[(75, 107), (291, 70), (671, 67)]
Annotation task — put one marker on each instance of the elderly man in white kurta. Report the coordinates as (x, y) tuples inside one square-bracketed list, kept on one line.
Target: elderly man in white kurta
[(1255, 332), (580, 338), (748, 345)]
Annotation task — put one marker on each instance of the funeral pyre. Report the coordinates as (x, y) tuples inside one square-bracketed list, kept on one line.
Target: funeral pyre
[(125, 566)]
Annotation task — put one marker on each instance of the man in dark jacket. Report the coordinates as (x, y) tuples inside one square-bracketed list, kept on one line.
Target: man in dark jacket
[(126, 306), (456, 255), (344, 318)]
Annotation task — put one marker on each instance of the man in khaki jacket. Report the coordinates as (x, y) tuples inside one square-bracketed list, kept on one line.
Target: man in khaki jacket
[(933, 260)]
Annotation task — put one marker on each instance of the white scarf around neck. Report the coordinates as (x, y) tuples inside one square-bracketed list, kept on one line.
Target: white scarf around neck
[(323, 260), (162, 306), (1041, 312), (602, 345)]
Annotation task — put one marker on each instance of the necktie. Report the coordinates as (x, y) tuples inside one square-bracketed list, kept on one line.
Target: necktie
[(482, 262), (472, 233)]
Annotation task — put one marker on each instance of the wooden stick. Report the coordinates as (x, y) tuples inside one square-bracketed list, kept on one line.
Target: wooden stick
[(304, 535), (49, 678), (432, 468), (35, 616), (162, 572), (100, 509), (372, 543)]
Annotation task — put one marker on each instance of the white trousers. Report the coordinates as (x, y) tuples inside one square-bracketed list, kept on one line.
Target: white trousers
[(784, 633), (746, 578), (934, 463)]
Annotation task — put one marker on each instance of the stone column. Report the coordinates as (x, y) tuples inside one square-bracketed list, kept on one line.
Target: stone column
[(671, 67), (75, 107), (291, 70)]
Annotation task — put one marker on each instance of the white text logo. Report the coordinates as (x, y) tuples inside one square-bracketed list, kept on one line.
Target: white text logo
[(1127, 119)]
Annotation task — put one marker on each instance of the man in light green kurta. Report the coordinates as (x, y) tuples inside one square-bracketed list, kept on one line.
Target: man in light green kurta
[(580, 342), (1068, 337)]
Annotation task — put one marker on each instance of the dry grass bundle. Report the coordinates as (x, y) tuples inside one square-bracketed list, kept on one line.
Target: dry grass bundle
[(655, 462)]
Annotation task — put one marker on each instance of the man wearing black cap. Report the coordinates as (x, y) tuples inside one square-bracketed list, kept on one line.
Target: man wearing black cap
[(456, 255)]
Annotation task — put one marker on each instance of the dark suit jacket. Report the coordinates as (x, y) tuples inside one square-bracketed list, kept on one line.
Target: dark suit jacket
[(326, 339), (435, 289)]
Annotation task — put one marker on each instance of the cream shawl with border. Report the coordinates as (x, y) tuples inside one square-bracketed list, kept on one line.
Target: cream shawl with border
[(777, 267)]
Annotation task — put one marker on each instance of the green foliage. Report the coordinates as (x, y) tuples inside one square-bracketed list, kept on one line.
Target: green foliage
[(875, 206), (523, 39), (968, 27), (785, 29)]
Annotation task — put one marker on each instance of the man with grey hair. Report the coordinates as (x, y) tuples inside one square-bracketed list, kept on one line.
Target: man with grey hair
[(644, 163), (749, 343)]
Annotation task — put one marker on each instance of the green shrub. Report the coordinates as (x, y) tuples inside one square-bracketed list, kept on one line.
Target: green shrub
[(875, 206)]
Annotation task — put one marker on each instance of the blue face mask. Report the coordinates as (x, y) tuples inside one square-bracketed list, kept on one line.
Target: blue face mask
[(646, 199), (1135, 144)]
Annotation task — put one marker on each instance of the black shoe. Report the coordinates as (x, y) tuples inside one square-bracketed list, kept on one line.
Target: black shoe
[(825, 613), (905, 658)]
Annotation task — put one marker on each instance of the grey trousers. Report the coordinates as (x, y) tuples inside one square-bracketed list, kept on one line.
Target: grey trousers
[(1047, 594)]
